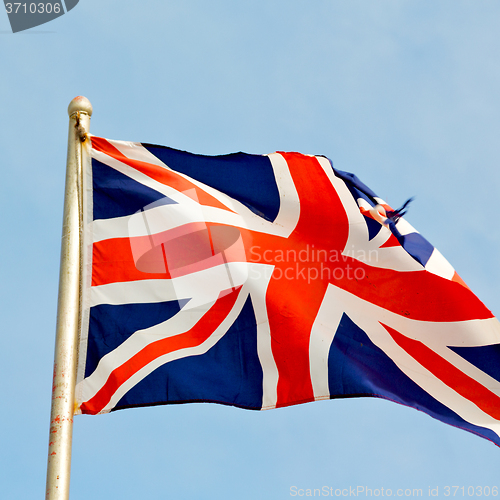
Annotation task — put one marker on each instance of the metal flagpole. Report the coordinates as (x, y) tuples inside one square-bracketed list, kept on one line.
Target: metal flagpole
[(68, 309)]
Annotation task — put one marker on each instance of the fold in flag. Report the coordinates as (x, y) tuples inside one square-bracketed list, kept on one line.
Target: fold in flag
[(268, 281)]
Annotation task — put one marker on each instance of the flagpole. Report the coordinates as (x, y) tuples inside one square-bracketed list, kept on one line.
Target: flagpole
[(68, 309)]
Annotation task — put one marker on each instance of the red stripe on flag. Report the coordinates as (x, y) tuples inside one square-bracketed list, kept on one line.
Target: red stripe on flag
[(112, 262), (392, 241), (293, 305), (192, 338), (160, 174), (449, 374), (169, 254)]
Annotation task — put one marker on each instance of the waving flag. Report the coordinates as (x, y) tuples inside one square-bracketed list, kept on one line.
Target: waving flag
[(268, 281)]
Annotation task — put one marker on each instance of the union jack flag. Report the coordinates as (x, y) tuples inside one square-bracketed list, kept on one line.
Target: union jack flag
[(263, 281)]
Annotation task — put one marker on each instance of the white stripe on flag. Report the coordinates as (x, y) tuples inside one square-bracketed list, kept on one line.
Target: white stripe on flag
[(322, 334), (259, 278), (437, 264), (202, 287), (289, 212)]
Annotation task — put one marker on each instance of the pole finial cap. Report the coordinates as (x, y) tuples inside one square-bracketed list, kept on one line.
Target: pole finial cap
[(80, 103)]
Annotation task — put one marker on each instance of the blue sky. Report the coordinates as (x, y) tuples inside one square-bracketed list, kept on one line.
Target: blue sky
[(402, 93)]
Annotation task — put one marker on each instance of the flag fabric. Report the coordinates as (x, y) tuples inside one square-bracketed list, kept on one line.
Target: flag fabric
[(263, 281)]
